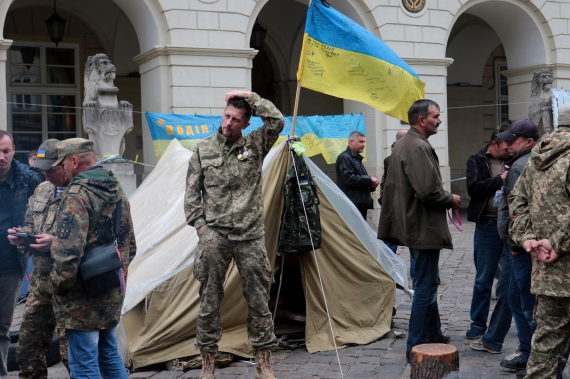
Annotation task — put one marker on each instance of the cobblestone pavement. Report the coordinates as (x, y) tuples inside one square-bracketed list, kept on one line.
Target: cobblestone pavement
[(385, 358)]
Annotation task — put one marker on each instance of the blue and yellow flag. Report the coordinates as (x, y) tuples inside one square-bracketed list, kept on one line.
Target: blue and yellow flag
[(342, 59), (326, 135)]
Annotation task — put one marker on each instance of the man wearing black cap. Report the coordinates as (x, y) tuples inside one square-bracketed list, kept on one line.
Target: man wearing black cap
[(521, 137)]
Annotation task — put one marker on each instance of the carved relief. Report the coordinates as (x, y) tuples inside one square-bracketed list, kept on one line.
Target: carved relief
[(105, 119), (414, 6)]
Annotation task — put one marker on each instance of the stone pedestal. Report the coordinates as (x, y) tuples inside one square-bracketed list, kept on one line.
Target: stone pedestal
[(124, 173)]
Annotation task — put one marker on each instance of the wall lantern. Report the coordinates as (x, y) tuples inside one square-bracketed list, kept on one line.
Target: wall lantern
[(56, 26), (258, 34)]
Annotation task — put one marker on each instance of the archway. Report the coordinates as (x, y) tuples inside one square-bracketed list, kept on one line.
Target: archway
[(485, 47), (283, 48)]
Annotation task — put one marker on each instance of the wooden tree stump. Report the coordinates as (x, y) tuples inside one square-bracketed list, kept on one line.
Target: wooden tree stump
[(433, 361)]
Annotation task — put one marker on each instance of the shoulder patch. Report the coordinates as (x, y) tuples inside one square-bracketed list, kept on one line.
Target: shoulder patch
[(73, 188), (64, 225)]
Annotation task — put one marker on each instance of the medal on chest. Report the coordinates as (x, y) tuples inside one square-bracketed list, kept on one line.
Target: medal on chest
[(242, 153)]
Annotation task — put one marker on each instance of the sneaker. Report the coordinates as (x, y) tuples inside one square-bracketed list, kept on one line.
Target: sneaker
[(514, 364), (521, 374), (474, 334), (479, 345), (440, 339), (513, 355), (408, 353)]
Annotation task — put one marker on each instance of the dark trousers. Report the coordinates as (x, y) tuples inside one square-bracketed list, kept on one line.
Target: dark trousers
[(424, 318), (521, 300)]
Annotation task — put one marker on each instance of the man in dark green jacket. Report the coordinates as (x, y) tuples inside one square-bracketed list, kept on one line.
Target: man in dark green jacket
[(415, 217), (86, 220)]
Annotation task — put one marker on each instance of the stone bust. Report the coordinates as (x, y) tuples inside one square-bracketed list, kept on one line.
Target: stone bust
[(105, 119)]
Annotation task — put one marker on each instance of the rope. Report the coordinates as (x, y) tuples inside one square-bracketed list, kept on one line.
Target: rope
[(317, 264), (99, 109)]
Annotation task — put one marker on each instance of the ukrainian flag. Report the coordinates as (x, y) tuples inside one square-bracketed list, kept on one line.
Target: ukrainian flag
[(342, 59)]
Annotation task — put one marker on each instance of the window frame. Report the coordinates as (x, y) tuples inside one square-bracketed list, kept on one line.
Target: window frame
[(501, 99), (44, 89)]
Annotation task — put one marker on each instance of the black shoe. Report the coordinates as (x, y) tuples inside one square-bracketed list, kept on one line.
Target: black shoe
[(408, 352), (440, 339), (521, 374), (516, 363), (474, 334)]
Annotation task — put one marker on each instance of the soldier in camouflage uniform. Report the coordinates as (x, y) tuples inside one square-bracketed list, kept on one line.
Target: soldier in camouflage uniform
[(223, 202), (38, 324), (539, 208), (86, 220)]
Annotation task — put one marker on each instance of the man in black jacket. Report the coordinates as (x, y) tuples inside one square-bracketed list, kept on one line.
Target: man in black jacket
[(351, 176), (486, 172), (521, 138), (17, 183)]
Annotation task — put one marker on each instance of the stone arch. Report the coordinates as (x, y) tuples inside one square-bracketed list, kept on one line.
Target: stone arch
[(524, 28), (148, 20)]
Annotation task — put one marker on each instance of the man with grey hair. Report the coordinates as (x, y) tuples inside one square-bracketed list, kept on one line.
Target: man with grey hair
[(415, 217), (351, 176)]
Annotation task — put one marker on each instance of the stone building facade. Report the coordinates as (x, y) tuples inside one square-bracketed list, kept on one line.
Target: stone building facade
[(181, 56)]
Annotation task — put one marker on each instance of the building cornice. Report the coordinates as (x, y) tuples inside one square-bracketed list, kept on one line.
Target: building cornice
[(5, 44), (168, 50), (529, 70), (429, 62)]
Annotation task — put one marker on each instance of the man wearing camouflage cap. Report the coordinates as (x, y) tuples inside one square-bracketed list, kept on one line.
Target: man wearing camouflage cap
[(38, 323), (86, 220), (539, 207)]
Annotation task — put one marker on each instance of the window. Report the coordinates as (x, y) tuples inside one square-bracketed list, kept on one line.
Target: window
[(502, 92), (43, 94)]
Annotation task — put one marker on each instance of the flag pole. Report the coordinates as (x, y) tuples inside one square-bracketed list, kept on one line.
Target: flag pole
[(295, 108)]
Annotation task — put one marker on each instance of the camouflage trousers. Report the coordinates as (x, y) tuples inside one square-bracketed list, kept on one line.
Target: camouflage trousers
[(36, 331), (213, 258), (550, 340)]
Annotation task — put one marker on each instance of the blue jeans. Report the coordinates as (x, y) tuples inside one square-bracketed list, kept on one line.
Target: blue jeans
[(487, 250), (521, 301), (391, 246), (424, 317), (93, 355), (502, 316)]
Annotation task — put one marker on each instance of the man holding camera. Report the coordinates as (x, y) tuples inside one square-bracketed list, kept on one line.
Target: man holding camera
[(223, 202), (38, 323)]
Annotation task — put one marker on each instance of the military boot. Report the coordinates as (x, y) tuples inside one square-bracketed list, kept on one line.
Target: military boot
[(208, 359), (264, 361)]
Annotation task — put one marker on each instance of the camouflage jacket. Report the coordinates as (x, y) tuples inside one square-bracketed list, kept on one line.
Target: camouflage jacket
[(230, 186), (86, 220), (539, 206), (40, 217)]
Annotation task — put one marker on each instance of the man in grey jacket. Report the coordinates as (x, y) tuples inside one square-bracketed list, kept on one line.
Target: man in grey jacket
[(415, 217)]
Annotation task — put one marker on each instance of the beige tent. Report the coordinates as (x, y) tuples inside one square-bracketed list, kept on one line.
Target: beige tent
[(159, 323)]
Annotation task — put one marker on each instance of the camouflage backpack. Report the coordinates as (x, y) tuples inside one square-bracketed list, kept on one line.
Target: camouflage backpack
[(294, 234)]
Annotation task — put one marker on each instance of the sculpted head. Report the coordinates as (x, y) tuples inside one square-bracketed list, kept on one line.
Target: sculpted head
[(541, 81), (99, 73)]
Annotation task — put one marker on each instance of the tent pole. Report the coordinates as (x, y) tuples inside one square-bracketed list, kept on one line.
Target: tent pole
[(279, 288), (298, 92)]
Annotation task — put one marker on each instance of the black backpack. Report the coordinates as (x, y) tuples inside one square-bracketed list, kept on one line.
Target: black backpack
[(294, 234)]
